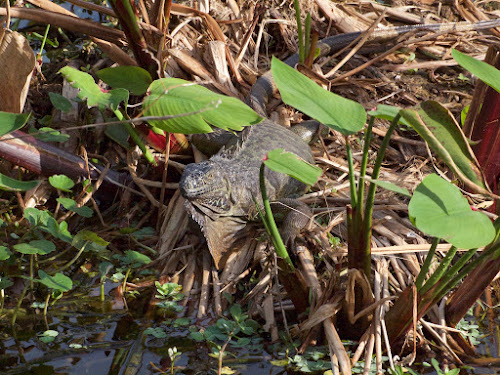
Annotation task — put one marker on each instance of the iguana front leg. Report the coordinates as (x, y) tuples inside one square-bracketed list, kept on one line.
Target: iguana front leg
[(294, 216)]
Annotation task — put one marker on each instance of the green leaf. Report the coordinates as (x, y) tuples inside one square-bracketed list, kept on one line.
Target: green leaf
[(41, 247), (197, 336), (131, 78), (50, 135), (35, 216), (173, 96), (91, 92), (61, 182), (5, 282), (136, 259), (285, 162), (70, 205), (438, 209), (390, 186), (119, 134), (58, 230), (60, 102), (484, 71), (58, 281), (336, 112), (157, 332), (48, 336), (388, 112), (87, 235), (9, 184), (11, 121), (5, 253), (438, 128)]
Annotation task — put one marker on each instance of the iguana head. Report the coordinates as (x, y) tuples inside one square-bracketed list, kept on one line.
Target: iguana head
[(207, 191), (205, 184)]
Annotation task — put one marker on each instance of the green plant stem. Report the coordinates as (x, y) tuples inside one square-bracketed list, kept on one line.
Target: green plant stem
[(275, 235), (307, 37), (44, 39), (32, 271), (102, 288), (18, 305), (136, 138), (46, 306), (450, 278), (124, 284), (440, 271), (352, 181), (364, 160), (67, 265), (467, 269), (370, 197), (427, 262), (299, 30)]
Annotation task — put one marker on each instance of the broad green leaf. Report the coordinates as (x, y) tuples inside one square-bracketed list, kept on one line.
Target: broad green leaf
[(137, 258), (61, 182), (157, 332), (50, 135), (9, 184), (173, 96), (35, 216), (91, 92), (5, 253), (438, 209), (58, 281), (50, 332), (11, 121), (390, 186), (285, 162), (58, 230), (60, 102), (70, 205), (40, 247), (484, 71), (131, 78), (119, 134), (387, 112), (336, 112), (87, 235), (5, 282), (438, 128)]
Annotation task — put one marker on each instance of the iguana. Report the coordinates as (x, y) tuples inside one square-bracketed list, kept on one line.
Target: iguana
[(221, 193)]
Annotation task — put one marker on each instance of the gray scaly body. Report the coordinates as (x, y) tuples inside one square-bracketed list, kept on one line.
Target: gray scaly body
[(221, 192)]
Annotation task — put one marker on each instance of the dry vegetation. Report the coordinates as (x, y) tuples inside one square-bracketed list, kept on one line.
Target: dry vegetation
[(420, 69)]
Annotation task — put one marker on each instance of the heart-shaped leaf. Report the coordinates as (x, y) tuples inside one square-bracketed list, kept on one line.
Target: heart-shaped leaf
[(61, 182), (438, 209), (40, 247), (58, 281)]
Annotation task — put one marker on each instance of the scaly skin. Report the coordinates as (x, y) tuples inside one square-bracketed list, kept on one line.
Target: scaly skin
[(221, 192)]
